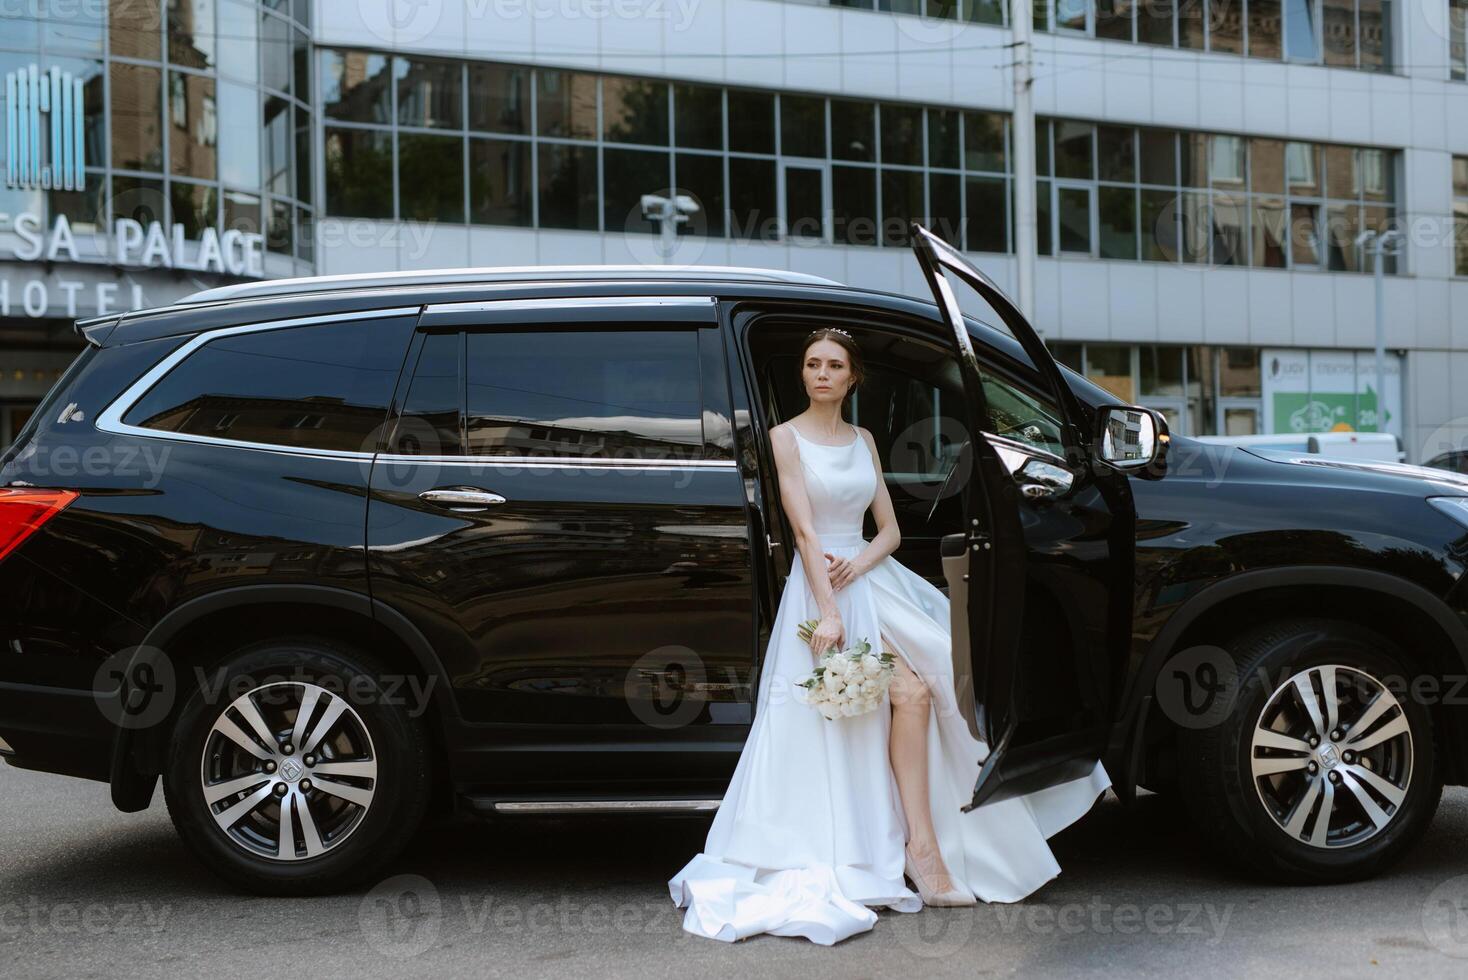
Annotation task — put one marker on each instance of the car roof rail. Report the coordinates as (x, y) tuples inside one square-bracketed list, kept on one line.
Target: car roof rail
[(501, 274)]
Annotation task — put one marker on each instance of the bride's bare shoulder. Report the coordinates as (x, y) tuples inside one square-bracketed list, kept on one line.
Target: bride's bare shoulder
[(865, 434)]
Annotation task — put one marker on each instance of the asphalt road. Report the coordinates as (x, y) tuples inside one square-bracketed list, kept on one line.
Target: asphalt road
[(86, 891)]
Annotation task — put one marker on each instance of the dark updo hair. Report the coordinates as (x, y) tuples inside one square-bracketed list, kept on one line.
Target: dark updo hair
[(853, 354)]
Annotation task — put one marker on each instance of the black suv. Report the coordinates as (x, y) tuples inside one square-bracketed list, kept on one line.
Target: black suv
[(325, 554)]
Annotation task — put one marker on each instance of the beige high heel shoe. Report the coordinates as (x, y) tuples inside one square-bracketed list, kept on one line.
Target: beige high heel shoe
[(951, 898)]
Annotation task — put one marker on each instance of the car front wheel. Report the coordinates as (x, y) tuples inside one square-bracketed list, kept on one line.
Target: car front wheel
[(292, 773), (1324, 769)]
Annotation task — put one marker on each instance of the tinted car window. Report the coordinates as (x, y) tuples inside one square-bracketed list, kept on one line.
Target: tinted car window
[(1020, 414), (599, 393), (317, 387), (429, 424)]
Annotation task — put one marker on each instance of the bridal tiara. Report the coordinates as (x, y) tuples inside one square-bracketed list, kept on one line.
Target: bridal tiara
[(841, 332)]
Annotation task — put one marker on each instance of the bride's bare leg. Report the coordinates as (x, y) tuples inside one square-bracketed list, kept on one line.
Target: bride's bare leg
[(911, 701)]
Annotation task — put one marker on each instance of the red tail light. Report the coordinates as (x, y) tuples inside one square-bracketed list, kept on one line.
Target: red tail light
[(23, 511)]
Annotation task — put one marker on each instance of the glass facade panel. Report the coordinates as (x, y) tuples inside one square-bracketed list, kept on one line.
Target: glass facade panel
[(567, 186), (137, 117), (698, 116), (359, 173), (945, 208), (902, 134), (751, 121), (854, 205), (190, 33), (853, 130), (983, 142), (354, 87), (1074, 156), (499, 182), (134, 30), (1265, 37), (1074, 210), (1460, 216), (499, 99), (987, 222), (193, 122), (430, 93), (1116, 153), (626, 176), (902, 203), (239, 138), (753, 204), (943, 127), (701, 175), (635, 111), (802, 126), (239, 56), (1116, 211), (565, 104)]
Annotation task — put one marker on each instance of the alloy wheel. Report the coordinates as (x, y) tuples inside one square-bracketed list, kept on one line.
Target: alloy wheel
[(288, 771), (1331, 756)]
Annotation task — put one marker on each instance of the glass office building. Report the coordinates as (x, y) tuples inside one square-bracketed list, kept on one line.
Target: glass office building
[(1209, 176)]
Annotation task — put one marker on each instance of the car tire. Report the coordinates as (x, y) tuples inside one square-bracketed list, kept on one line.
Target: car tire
[(235, 799), (1271, 821)]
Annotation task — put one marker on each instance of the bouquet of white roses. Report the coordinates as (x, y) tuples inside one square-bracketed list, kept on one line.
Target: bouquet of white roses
[(847, 682)]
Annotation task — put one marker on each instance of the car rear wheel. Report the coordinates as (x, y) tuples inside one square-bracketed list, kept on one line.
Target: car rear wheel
[(292, 772), (1324, 769)]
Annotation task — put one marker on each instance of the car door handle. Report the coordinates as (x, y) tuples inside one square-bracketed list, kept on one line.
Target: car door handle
[(462, 499)]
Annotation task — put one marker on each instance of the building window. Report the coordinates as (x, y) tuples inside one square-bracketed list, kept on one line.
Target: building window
[(1121, 192), (548, 148), (1460, 216), (157, 77), (1338, 33), (1458, 40)]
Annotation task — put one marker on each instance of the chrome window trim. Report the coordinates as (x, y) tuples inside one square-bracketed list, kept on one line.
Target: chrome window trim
[(568, 302), (111, 418), (558, 462), (1005, 444)]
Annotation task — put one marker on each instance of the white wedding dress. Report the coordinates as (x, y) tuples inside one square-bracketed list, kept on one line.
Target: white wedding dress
[(811, 831)]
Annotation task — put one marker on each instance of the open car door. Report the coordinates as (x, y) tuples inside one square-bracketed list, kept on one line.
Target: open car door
[(986, 564)]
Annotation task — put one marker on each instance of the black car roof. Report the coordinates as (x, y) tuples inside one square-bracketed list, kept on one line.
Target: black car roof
[(322, 296), (274, 300)]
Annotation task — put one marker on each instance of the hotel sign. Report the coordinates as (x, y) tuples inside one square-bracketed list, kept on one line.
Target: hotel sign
[(44, 145)]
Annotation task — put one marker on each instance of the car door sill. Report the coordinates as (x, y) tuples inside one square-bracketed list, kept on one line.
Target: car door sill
[(594, 806)]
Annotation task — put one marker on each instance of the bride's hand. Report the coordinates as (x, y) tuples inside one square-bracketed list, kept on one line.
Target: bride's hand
[(843, 571), (828, 633)]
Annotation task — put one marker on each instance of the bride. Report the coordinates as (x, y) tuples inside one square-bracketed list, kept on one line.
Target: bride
[(822, 818)]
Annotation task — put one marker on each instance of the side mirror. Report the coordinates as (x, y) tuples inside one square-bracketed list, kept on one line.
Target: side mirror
[(1129, 437)]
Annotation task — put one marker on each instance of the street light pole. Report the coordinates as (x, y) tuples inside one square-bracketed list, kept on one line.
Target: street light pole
[(1022, 139), (1379, 244)]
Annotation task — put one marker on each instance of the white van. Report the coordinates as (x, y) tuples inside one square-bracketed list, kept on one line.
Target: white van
[(1340, 445)]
